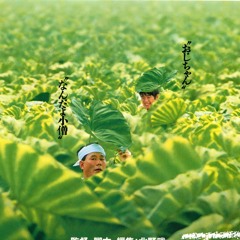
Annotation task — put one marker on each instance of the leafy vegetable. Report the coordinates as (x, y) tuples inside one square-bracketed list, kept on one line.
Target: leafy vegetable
[(168, 112), (184, 173), (104, 123), (154, 79)]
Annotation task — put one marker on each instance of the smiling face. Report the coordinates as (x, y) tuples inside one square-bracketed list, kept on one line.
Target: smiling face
[(147, 100), (94, 163)]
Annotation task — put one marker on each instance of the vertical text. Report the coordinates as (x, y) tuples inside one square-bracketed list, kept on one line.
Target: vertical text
[(62, 129), (186, 51)]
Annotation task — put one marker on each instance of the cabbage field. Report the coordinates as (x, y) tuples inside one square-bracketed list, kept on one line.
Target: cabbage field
[(68, 72)]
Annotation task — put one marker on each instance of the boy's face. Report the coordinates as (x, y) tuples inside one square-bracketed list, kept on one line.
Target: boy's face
[(147, 100)]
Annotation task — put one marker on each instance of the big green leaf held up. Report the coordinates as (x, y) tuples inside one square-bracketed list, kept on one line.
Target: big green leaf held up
[(153, 79), (104, 123)]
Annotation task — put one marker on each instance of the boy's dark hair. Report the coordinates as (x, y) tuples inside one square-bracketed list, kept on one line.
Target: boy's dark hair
[(153, 93), (83, 147)]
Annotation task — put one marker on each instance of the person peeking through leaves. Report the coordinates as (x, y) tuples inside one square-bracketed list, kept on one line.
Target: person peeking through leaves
[(149, 83), (147, 98), (91, 159)]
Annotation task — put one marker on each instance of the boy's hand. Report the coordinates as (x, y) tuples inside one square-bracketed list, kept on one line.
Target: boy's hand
[(123, 155)]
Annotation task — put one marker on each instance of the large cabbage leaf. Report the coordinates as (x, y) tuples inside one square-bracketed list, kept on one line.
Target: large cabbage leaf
[(11, 226), (168, 112), (104, 123), (153, 79)]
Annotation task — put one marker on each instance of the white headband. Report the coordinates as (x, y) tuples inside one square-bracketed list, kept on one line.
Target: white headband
[(89, 149)]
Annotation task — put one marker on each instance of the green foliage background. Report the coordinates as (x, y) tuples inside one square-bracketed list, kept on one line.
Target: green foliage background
[(184, 173)]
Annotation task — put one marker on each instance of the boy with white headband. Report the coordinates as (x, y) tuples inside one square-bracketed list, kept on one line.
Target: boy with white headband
[(91, 159)]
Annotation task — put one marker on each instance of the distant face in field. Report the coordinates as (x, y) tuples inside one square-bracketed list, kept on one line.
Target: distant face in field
[(94, 163), (147, 100)]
